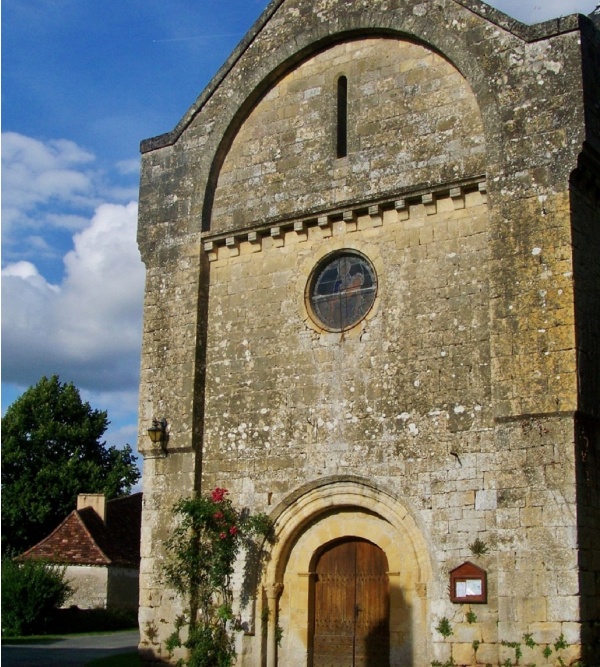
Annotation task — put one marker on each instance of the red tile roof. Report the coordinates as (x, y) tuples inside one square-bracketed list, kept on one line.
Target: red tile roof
[(84, 539)]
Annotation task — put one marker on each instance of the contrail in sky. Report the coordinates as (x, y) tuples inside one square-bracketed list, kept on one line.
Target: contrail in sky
[(186, 39)]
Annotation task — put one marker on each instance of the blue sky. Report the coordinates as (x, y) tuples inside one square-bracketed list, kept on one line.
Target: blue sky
[(83, 81)]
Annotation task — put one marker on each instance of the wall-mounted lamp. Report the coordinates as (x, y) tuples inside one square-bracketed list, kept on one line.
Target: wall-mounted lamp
[(158, 431)]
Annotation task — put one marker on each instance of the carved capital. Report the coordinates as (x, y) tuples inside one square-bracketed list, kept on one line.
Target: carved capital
[(273, 591)]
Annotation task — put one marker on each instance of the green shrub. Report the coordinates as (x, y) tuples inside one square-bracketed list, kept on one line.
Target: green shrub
[(30, 592), (211, 646)]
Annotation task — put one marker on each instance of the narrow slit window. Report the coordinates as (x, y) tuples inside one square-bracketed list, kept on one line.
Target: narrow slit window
[(342, 116)]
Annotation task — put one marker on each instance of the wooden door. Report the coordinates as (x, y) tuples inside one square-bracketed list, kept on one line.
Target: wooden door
[(351, 598)]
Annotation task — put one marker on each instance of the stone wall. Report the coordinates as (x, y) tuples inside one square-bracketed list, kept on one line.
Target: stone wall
[(450, 413), (123, 590), (403, 101), (89, 584), (585, 211), (406, 396), (103, 587), (295, 402)]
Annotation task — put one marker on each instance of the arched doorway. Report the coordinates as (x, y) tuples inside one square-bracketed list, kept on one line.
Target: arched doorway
[(323, 515), (351, 600)]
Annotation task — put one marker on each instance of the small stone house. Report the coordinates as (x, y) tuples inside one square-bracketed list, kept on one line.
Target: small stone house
[(99, 542), (372, 311)]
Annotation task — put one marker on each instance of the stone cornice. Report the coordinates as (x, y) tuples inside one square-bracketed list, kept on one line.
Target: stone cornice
[(349, 212)]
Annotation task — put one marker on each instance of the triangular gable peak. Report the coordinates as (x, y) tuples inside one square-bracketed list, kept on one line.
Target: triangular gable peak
[(468, 569), (71, 543), (84, 538), (388, 17), (502, 63)]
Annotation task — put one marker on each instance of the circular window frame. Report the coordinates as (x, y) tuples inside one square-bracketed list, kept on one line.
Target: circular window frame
[(317, 272)]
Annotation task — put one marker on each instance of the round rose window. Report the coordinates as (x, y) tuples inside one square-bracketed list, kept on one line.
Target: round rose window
[(342, 290)]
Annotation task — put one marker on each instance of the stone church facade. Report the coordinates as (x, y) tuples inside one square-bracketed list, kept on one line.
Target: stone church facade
[(372, 311)]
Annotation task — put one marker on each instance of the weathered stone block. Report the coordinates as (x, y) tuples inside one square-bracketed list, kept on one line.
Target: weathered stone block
[(463, 403)]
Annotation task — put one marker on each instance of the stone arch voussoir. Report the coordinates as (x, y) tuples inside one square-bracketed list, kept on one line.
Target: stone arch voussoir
[(441, 39), (318, 501), (336, 508)]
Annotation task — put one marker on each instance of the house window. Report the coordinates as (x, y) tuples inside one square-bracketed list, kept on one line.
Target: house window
[(342, 117), (342, 290)]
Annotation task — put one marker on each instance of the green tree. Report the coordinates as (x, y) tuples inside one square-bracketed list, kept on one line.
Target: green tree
[(51, 452)]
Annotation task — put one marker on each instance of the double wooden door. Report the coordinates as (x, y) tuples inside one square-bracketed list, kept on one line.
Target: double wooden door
[(351, 606)]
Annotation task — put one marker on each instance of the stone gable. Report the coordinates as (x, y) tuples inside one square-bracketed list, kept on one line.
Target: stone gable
[(462, 408)]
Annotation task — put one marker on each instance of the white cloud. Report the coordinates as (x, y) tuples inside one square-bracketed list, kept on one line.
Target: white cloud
[(543, 10), (50, 189), (88, 328), (85, 324), (25, 270), (36, 173), (38, 245), (121, 407), (67, 220)]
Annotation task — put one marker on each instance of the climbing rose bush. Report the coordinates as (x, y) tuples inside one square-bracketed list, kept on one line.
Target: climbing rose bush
[(201, 554)]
